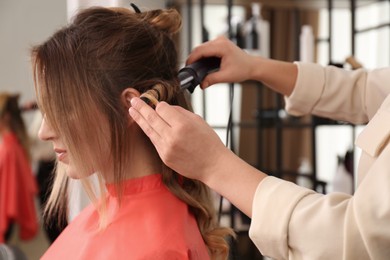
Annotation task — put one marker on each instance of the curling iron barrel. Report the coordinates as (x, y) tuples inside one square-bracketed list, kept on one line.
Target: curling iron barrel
[(189, 77)]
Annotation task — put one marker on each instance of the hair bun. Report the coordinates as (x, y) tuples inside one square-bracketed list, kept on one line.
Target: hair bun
[(168, 20)]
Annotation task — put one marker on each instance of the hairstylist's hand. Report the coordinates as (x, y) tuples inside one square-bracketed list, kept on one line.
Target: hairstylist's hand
[(236, 64), (184, 141), (189, 146)]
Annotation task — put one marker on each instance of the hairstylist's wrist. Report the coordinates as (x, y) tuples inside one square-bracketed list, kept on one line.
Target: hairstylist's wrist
[(218, 169), (256, 71)]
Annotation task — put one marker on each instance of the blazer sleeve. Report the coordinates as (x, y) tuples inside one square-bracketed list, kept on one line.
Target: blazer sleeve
[(292, 222), (351, 96)]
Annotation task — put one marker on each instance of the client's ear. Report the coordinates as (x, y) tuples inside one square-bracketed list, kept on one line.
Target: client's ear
[(127, 95)]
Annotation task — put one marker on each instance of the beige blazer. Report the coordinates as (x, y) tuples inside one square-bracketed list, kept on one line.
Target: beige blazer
[(291, 222)]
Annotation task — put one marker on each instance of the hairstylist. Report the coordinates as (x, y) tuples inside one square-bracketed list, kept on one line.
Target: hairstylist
[(288, 221)]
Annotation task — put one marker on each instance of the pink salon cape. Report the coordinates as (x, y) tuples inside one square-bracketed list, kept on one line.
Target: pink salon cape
[(151, 223), (17, 189)]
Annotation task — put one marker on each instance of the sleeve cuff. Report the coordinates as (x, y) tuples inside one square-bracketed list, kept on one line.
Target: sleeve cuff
[(272, 207), (307, 90)]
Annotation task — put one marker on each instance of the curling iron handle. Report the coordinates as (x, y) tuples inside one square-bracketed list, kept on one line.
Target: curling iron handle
[(193, 74)]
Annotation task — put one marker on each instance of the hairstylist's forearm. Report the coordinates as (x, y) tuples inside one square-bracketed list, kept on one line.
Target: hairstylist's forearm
[(235, 180), (278, 75)]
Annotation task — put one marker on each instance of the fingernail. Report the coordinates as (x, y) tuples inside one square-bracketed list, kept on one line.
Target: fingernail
[(133, 101)]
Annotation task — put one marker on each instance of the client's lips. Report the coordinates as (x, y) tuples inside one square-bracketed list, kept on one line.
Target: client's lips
[(61, 153)]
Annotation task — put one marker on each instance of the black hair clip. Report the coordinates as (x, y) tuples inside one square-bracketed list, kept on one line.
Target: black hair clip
[(136, 9)]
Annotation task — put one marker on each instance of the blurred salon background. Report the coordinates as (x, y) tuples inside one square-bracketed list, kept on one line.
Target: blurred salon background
[(313, 152)]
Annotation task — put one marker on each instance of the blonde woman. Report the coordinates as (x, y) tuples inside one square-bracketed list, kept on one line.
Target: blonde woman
[(85, 76)]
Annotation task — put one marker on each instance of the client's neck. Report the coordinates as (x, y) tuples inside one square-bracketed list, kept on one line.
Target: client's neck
[(144, 159)]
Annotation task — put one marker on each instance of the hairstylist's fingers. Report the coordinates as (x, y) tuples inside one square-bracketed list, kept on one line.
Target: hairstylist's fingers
[(147, 119), (235, 63), (213, 78), (173, 115), (207, 49)]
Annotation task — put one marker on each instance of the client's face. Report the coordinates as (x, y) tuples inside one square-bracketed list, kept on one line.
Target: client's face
[(46, 133), (95, 158), (91, 159)]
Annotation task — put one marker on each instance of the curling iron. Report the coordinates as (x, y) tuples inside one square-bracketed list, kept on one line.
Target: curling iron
[(189, 77), (192, 75)]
